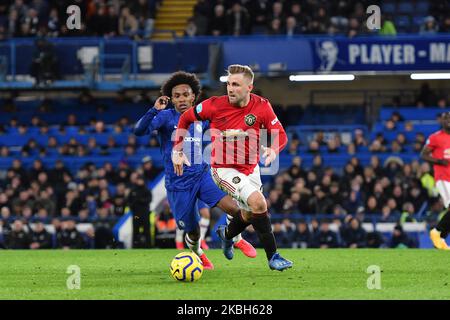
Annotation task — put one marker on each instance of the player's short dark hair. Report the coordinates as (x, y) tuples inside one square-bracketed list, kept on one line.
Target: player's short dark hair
[(181, 77)]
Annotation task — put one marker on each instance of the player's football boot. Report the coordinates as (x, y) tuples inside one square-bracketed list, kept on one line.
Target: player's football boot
[(279, 263), (179, 245), (204, 245), (227, 245), (438, 242), (207, 265), (246, 248)]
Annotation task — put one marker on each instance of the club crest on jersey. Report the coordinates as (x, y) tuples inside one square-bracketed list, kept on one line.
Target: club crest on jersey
[(199, 108), (236, 180), (250, 119)]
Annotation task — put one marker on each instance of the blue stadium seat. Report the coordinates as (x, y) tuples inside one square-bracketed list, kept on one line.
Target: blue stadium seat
[(388, 7), (422, 7), (402, 23), (405, 7)]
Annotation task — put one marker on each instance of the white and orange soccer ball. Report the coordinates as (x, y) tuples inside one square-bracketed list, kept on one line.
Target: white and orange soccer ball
[(187, 267)]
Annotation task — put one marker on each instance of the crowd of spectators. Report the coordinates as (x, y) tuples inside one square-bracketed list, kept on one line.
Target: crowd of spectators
[(291, 17), (393, 191), (136, 18), (39, 196), (109, 18)]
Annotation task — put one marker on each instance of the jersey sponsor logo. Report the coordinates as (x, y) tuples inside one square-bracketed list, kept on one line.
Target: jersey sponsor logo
[(236, 180), (447, 153), (233, 135), (274, 121), (199, 108), (250, 119)]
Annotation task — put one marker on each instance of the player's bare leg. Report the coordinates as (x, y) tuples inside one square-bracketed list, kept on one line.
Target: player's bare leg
[(193, 242)]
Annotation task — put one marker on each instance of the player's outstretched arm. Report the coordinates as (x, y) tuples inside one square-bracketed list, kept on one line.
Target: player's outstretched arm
[(147, 123), (426, 155)]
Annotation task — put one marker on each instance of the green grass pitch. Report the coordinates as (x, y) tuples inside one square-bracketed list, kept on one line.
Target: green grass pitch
[(144, 274)]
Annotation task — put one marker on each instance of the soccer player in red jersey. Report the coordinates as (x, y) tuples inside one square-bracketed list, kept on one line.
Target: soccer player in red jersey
[(437, 152), (236, 120)]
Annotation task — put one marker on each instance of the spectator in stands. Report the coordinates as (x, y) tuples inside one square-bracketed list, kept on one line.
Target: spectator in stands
[(128, 24), (387, 26), (408, 213), (280, 235), (218, 24), (202, 11), (18, 238), (320, 203), (145, 17), (426, 96), (69, 237), (238, 20), (429, 26), (103, 226), (191, 28), (44, 67), (354, 28), (139, 201), (275, 27), (325, 237), (292, 26), (259, 10), (40, 238), (13, 28), (165, 228), (399, 238), (53, 24), (354, 235), (375, 239), (302, 237)]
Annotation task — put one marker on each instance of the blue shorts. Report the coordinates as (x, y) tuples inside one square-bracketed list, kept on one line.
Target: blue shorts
[(186, 204)]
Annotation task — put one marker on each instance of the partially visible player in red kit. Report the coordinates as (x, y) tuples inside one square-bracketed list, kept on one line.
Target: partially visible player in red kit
[(437, 152), (236, 121)]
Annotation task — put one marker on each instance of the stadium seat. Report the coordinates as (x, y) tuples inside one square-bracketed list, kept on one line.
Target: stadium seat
[(405, 7), (422, 7), (388, 7)]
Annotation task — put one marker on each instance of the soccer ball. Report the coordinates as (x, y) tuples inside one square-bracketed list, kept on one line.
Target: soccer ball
[(187, 267)]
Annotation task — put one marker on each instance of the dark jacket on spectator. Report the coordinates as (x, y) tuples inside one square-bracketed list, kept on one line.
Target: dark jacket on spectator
[(43, 238), (18, 240)]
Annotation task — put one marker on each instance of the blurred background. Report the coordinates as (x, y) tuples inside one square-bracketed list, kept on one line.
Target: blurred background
[(350, 176)]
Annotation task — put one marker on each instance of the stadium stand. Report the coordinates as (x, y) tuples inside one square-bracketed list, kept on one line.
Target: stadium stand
[(70, 162)]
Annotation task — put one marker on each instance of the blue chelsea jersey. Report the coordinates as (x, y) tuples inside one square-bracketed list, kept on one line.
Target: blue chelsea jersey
[(165, 122)]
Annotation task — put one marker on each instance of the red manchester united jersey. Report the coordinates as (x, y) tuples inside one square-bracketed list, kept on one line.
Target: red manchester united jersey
[(236, 131), (439, 143)]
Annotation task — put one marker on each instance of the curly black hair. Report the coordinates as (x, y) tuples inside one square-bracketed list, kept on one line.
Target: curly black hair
[(181, 77)]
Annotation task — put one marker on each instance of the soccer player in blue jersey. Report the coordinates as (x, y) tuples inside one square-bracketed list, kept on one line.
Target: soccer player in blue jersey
[(183, 192)]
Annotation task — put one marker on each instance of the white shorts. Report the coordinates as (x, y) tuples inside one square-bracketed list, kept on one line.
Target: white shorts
[(444, 190), (238, 185)]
